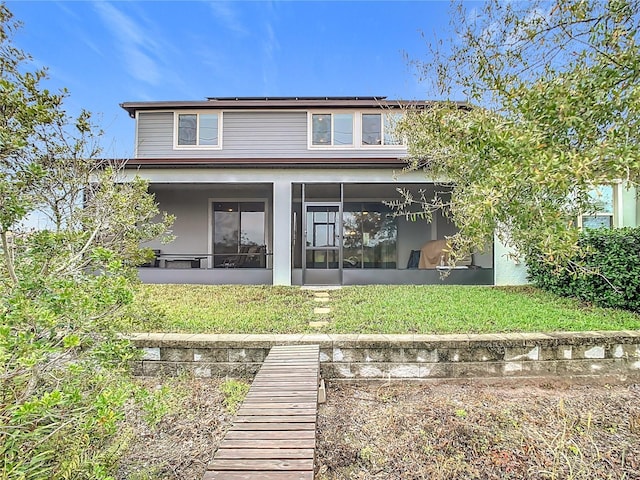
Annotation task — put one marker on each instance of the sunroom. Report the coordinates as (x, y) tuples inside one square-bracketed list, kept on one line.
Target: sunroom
[(304, 233)]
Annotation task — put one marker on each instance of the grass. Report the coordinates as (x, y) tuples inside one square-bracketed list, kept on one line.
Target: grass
[(435, 309)]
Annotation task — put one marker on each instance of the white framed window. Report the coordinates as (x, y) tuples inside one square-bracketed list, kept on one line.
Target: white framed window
[(198, 130), (378, 129), (331, 129), (360, 129), (606, 199)]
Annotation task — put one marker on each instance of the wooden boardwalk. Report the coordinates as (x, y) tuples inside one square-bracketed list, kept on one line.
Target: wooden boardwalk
[(274, 434)]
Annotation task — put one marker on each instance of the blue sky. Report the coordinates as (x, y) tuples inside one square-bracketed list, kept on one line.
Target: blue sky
[(106, 53)]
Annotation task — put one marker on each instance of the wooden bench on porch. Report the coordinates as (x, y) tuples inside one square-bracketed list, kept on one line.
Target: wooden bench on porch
[(273, 435)]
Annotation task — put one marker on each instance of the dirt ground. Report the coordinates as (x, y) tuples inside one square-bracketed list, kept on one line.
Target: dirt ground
[(418, 431)]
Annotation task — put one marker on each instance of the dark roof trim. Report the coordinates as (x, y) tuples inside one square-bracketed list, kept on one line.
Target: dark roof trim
[(264, 162), (277, 103), (213, 99)]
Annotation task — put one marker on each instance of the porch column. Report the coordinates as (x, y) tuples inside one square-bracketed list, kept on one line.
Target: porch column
[(282, 232), (505, 270)]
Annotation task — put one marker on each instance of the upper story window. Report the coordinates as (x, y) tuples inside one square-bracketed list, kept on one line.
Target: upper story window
[(353, 129), (332, 129), (195, 130), (377, 129)]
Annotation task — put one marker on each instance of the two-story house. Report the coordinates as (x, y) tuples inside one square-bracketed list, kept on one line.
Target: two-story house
[(292, 191)]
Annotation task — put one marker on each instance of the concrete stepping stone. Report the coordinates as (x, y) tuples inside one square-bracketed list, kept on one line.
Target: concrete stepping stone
[(318, 324)]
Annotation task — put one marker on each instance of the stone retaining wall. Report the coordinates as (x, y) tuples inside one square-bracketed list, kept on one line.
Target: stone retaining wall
[(384, 357)]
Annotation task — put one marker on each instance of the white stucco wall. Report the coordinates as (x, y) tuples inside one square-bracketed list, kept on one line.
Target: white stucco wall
[(506, 271)]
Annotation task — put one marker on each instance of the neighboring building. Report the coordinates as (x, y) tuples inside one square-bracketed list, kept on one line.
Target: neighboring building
[(292, 191)]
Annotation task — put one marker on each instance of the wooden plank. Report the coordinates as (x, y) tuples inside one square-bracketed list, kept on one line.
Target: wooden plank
[(289, 385), (280, 378), (308, 397), (292, 385), (262, 464), (274, 412), (273, 398), (280, 349), (292, 361), (211, 475), (289, 426), (309, 366), (268, 453), (267, 405), (295, 380), (269, 443), (270, 435), (279, 372), (293, 391), (291, 379), (276, 419), (301, 354)]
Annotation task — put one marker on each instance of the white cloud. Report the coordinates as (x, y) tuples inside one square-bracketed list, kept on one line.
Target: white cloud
[(138, 48), (223, 12), (270, 46)]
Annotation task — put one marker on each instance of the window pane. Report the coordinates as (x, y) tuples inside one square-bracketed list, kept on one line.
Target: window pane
[(321, 129), (371, 129), (252, 228), (352, 235), (322, 259), (226, 226), (390, 122), (208, 129), (343, 129), (252, 206), (600, 221), (379, 235), (187, 129), (225, 207), (602, 196), (239, 235), (322, 228)]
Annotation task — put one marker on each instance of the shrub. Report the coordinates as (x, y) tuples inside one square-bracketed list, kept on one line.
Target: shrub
[(607, 274)]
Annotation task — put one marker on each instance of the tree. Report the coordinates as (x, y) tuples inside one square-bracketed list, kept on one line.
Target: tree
[(63, 287), (553, 90)]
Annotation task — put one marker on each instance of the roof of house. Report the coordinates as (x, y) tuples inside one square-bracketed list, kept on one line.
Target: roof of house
[(276, 103)]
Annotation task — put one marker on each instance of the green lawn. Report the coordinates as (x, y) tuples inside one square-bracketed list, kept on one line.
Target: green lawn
[(367, 309)]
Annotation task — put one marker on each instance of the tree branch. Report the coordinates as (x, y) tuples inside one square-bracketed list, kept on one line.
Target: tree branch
[(8, 257)]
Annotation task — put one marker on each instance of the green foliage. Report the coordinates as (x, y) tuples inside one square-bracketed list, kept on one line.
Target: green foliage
[(556, 93), (608, 273), (63, 366), (234, 392), (156, 404)]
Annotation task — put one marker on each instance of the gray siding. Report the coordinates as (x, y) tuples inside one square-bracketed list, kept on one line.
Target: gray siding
[(247, 135)]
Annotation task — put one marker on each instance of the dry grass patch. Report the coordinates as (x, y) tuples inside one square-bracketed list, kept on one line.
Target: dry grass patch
[(407, 432), (174, 436), (404, 431)]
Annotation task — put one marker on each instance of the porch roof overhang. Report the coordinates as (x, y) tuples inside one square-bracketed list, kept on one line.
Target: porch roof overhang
[(279, 103), (328, 163)]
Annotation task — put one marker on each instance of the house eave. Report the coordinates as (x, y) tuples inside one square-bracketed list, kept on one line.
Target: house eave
[(266, 162), (279, 103)]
